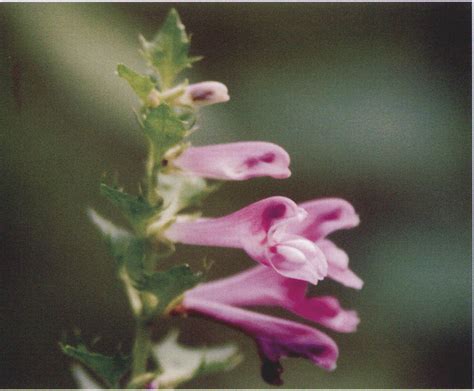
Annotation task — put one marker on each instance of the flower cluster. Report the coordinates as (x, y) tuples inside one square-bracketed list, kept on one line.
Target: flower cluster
[(288, 241)]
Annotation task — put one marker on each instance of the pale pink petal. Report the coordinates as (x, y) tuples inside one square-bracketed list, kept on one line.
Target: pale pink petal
[(258, 285), (204, 93), (328, 312), (338, 265), (235, 161), (296, 257), (276, 338), (261, 286), (326, 216)]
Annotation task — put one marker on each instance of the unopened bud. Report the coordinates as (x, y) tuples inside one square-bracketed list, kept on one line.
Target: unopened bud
[(205, 93)]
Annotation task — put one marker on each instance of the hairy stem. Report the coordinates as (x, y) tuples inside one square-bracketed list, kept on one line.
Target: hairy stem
[(141, 349)]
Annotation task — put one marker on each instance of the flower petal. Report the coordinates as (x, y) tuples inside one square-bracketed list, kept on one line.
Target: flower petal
[(261, 286), (325, 216), (246, 228), (258, 285), (338, 265), (328, 312), (276, 338), (293, 259), (235, 161)]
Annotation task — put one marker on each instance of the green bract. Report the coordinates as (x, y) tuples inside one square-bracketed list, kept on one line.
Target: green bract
[(136, 209), (128, 250), (168, 51), (142, 85), (180, 191), (168, 286), (164, 129)]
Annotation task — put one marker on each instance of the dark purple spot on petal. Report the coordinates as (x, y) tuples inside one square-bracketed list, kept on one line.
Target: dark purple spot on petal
[(318, 350), (271, 213), (201, 95), (273, 249), (334, 215), (271, 372), (267, 158), (313, 231), (251, 162)]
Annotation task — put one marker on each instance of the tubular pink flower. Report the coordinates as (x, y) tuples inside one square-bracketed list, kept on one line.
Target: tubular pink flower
[(204, 93), (261, 286), (324, 217), (261, 230), (275, 338), (235, 161)]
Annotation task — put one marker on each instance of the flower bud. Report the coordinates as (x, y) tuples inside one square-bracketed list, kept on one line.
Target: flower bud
[(204, 94)]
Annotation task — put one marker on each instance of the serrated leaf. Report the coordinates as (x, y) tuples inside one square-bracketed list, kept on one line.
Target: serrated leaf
[(109, 368), (168, 51), (141, 84), (128, 250), (168, 286), (179, 364), (136, 209), (164, 129)]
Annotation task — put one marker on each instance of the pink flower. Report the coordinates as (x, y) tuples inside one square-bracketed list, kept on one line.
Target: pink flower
[(262, 286), (277, 233), (204, 93), (275, 337), (235, 161), (261, 230)]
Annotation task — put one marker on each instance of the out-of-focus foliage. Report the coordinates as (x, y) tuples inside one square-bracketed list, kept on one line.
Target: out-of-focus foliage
[(110, 369), (180, 364), (373, 103)]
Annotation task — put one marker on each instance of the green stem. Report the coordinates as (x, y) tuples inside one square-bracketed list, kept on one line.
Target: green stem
[(141, 349), (151, 174)]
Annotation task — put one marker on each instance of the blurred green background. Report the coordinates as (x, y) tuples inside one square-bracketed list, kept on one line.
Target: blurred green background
[(373, 103)]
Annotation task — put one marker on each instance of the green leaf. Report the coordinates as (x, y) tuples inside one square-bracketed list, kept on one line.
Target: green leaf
[(109, 368), (128, 250), (168, 286), (136, 209), (168, 51), (164, 129), (142, 85), (179, 364)]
